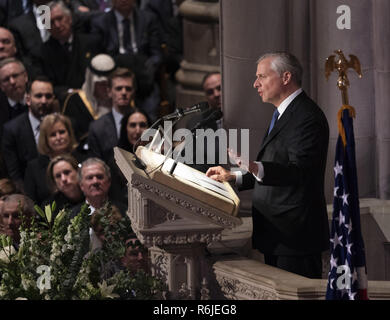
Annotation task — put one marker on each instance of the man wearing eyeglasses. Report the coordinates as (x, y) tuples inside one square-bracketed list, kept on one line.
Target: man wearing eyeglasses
[(20, 136), (104, 133), (13, 81)]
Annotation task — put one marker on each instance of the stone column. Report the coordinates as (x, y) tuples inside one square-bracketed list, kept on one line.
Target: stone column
[(201, 52)]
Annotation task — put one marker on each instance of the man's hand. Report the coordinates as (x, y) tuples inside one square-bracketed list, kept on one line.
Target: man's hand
[(220, 174), (243, 163)]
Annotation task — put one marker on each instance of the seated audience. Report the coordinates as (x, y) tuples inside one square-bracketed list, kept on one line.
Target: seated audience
[(63, 182), (56, 138), (21, 134), (132, 36), (65, 56), (92, 101)]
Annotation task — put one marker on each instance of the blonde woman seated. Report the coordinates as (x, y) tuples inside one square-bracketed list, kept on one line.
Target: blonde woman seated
[(56, 138)]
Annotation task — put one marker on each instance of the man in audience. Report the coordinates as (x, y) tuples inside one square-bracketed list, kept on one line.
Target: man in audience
[(7, 44), (65, 56), (28, 37), (104, 133), (20, 135), (95, 182), (12, 208), (13, 82), (133, 38), (211, 85)]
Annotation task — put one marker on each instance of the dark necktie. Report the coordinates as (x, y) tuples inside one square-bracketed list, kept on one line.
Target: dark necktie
[(274, 119), (126, 35)]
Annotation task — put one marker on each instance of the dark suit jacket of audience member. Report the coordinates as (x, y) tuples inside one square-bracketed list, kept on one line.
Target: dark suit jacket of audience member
[(27, 37), (10, 9), (18, 146), (148, 36), (289, 207), (35, 183), (64, 67), (7, 112), (102, 137)]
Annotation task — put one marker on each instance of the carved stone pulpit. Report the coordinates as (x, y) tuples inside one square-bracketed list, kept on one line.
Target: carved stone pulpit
[(176, 216)]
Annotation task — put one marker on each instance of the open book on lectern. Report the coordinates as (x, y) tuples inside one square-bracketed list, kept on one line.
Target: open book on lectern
[(184, 179)]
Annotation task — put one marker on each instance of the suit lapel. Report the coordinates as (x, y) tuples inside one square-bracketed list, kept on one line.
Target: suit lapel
[(29, 139), (281, 123), (110, 130)]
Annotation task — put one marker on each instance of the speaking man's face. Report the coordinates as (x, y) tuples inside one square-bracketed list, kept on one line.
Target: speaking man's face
[(268, 83)]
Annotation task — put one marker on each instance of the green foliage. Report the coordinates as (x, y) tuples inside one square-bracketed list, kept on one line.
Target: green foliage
[(60, 246)]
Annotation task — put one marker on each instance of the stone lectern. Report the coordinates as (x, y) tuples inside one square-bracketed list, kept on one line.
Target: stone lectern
[(176, 216)]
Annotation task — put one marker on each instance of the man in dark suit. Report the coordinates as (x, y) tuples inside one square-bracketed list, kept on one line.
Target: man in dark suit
[(103, 133), (13, 82), (290, 224), (133, 38), (10, 9), (20, 135), (65, 56), (28, 37)]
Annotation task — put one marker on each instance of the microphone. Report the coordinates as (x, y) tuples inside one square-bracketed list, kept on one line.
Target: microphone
[(214, 116), (180, 112)]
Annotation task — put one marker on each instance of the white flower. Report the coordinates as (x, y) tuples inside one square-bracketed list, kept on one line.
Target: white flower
[(106, 291), (6, 252), (26, 283)]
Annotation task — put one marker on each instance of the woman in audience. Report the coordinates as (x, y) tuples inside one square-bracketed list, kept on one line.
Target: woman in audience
[(63, 182), (133, 125), (55, 138)]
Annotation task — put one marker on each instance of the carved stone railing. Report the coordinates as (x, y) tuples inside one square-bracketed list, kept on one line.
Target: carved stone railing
[(246, 279)]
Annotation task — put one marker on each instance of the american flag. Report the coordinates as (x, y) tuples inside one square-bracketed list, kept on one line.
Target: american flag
[(347, 278)]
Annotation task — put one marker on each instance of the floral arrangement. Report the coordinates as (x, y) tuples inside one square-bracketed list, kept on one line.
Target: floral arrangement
[(54, 260)]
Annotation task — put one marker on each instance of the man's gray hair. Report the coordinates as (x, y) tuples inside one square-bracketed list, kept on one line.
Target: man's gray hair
[(92, 161), (284, 61), (26, 203), (61, 4)]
